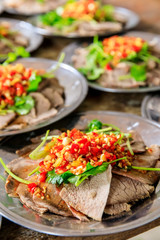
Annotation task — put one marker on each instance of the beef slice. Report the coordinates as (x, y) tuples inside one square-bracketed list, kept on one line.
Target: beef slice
[(150, 177), (89, 197), (6, 119), (41, 102), (116, 209), (126, 190)]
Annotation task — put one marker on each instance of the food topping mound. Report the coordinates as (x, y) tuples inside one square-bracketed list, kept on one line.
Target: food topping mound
[(122, 47), (83, 9), (74, 150)]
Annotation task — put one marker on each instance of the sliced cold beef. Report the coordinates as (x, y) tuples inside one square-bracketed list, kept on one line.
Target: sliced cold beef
[(91, 28), (116, 209), (89, 197), (125, 190), (6, 119), (54, 97), (41, 102), (50, 113), (111, 79), (151, 177), (148, 158)]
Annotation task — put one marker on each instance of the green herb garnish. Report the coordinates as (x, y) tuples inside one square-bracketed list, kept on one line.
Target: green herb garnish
[(22, 105), (68, 177), (18, 52), (34, 81)]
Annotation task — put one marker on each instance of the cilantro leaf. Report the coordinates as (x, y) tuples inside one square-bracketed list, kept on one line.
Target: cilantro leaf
[(96, 61), (18, 52), (138, 72), (94, 124), (23, 105), (55, 178), (55, 20), (68, 177), (34, 81), (90, 171)]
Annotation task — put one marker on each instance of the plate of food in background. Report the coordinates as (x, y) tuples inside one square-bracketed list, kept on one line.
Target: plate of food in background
[(127, 63), (71, 177), (31, 7), (84, 18), (33, 96), (15, 33), (150, 107)]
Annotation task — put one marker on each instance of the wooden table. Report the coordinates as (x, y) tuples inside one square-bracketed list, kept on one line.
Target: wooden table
[(130, 103)]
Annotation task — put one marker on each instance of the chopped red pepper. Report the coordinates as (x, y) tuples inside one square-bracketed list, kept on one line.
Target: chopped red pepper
[(42, 176), (108, 67), (32, 187), (74, 148)]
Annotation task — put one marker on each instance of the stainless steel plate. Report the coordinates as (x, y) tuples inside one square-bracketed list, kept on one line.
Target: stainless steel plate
[(150, 107), (150, 37), (27, 30), (132, 19), (75, 90), (65, 226)]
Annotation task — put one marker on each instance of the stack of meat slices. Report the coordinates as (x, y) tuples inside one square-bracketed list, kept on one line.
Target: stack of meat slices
[(111, 192)]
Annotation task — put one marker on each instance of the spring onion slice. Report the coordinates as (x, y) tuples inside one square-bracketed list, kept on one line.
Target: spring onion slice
[(37, 154), (35, 170), (12, 174), (111, 125), (145, 168), (101, 130), (129, 146), (2, 178), (50, 137), (117, 160), (50, 74)]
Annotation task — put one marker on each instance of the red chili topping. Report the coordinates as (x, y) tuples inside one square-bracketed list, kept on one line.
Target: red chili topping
[(74, 149), (32, 187), (14, 81), (81, 9), (42, 177), (121, 47)]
